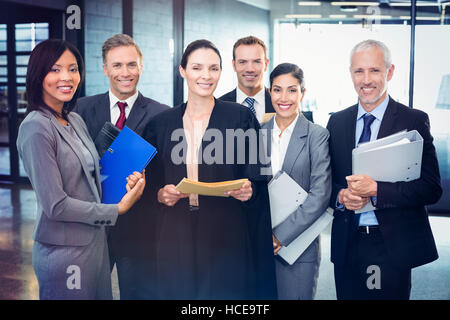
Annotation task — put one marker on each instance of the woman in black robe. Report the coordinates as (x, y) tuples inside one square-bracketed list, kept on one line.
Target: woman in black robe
[(209, 247)]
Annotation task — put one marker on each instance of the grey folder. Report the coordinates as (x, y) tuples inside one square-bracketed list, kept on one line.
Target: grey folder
[(295, 249), (285, 197), (390, 159)]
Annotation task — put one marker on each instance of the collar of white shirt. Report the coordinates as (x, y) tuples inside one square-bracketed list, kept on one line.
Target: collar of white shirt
[(288, 131), (130, 100), (378, 112), (259, 97)]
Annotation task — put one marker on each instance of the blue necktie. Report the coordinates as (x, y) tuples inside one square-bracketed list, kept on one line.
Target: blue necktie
[(365, 135), (250, 102)]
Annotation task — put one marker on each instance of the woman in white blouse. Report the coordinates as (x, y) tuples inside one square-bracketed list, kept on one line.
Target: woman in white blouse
[(299, 148)]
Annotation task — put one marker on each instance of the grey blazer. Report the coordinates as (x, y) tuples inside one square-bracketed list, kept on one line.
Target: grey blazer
[(68, 203), (307, 161)]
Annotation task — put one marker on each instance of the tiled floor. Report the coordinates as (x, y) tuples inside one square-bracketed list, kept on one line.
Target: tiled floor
[(17, 280)]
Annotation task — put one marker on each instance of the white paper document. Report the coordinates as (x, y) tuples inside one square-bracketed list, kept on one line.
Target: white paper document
[(395, 158), (295, 249), (285, 197)]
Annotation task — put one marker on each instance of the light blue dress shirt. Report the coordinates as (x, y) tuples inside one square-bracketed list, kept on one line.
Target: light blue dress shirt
[(369, 218)]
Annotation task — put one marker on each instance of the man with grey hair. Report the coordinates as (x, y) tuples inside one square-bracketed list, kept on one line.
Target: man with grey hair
[(373, 252), (124, 105)]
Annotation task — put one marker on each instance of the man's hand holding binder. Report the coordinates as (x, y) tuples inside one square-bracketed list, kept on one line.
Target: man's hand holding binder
[(397, 157)]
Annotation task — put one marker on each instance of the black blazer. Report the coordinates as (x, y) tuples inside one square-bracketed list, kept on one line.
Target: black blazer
[(401, 212), (95, 111), (227, 243), (231, 96)]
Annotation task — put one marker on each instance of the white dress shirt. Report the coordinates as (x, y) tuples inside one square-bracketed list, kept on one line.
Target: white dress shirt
[(260, 101), (114, 108), (280, 143)]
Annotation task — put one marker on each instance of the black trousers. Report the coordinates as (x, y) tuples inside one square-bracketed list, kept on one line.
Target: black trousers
[(135, 270), (368, 274)]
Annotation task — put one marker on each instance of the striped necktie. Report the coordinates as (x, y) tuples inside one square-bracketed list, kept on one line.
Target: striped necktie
[(250, 102)]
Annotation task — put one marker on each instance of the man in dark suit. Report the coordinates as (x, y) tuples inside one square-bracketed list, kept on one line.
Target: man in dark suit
[(123, 105), (373, 252), (250, 62)]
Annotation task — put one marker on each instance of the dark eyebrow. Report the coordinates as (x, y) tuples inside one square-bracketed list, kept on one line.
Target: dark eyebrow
[(59, 65)]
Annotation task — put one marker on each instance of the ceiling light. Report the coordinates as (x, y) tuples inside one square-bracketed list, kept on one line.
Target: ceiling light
[(337, 16), (370, 16), (303, 16), (400, 4), (309, 3), (428, 18), (353, 3), (418, 4)]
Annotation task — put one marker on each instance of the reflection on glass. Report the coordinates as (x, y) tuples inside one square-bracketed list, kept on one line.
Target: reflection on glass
[(3, 71), (21, 74), (323, 52), (3, 37), (22, 61), (3, 99), (3, 61), (4, 136), (4, 161), (28, 35), (21, 100), (432, 94)]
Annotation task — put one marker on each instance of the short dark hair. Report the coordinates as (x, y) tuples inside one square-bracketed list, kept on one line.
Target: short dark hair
[(195, 45), (248, 41), (288, 68), (119, 40), (42, 59)]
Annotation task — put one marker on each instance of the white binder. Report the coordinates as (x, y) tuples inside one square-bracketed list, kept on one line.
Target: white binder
[(295, 249), (390, 159), (285, 197)]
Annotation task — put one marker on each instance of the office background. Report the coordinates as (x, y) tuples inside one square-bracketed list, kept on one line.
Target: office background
[(316, 35)]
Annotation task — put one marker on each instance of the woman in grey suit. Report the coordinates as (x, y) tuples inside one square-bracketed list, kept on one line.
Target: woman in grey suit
[(70, 254), (299, 148)]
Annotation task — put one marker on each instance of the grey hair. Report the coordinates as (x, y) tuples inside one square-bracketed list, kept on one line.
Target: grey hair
[(119, 40), (370, 44)]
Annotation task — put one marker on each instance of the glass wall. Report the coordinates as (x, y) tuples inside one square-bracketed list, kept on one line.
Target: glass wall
[(319, 39), (323, 52), (208, 19), (432, 93), (153, 32), (27, 36)]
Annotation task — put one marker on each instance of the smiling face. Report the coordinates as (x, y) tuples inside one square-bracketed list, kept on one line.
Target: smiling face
[(62, 81), (370, 77), (286, 96), (250, 64), (202, 72), (123, 67)]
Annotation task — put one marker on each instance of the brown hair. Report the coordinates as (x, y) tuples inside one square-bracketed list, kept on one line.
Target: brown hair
[(250, 40), (195, 45), (119, 40)]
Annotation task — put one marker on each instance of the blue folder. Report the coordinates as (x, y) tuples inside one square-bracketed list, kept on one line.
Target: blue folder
[(129, 152)]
